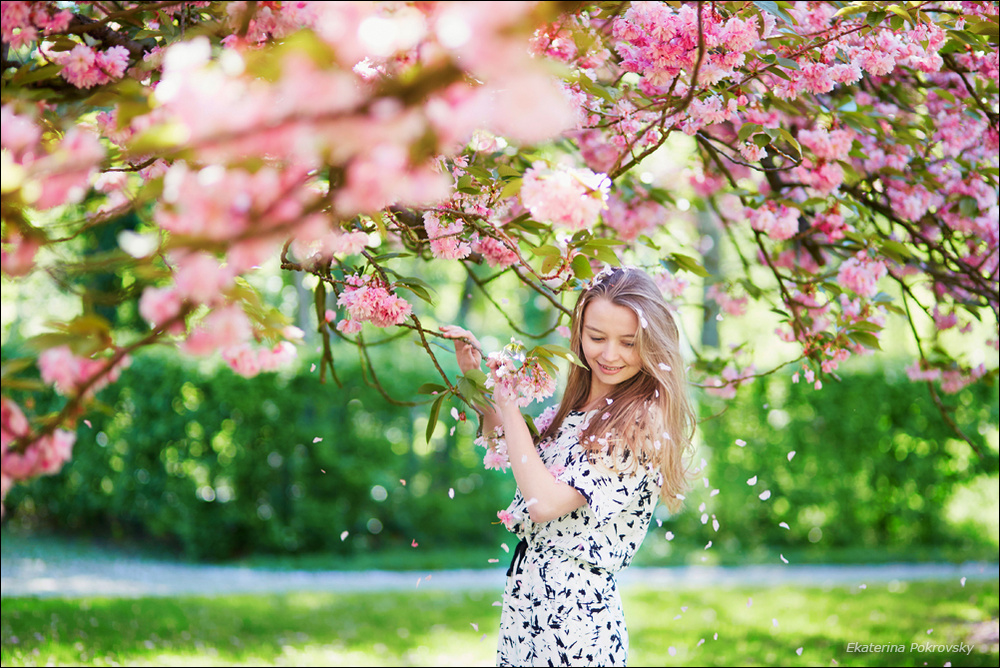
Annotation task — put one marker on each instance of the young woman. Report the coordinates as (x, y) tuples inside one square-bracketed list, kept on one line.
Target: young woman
[(586, 490)]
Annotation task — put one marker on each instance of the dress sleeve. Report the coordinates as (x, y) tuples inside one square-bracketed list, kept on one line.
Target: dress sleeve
[(606, 491)]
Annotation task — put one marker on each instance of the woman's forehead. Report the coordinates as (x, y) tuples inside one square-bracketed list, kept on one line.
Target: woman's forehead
[(606, 317)]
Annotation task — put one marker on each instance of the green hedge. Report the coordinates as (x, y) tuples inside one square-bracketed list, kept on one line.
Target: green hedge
[(875, 463), (218, 466)]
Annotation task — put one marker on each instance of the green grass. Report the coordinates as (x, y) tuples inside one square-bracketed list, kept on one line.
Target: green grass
[(432, 628)]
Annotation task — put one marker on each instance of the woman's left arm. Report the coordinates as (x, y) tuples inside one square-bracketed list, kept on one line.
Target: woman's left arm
[(547, 497)]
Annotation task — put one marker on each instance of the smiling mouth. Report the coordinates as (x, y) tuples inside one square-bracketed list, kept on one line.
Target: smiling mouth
[(610, 369)]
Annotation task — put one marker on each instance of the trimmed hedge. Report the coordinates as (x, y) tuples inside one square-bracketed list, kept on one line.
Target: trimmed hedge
[(216, 466), (219, 466)]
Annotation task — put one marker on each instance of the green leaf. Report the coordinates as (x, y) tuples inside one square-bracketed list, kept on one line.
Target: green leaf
[(506, 171), (433, 418), (747, 129), (561, 351), (581, 267), (688, 263), (430, 388), (512, 188), (788, 63), (547, 250), (477, 377), (874, 18), (773, 8), (866, 339)]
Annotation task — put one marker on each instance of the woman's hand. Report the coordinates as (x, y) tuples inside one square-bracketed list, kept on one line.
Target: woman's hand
[(468, 351)]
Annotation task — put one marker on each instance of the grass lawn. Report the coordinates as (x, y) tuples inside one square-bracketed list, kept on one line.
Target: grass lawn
[(712, 627)]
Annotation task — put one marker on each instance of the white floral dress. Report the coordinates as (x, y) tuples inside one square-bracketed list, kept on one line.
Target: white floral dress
[(561, 605)]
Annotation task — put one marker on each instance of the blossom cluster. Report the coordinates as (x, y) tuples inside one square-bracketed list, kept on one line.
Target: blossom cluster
[(513, 377), (70, 373), (369, 299), (44, 455), (564, 196)]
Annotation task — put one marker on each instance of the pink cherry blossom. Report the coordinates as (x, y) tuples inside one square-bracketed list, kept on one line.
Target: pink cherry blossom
[(861, 274), (445, 241), (367, 299), (160, 305), (777, 221), (571, 198)]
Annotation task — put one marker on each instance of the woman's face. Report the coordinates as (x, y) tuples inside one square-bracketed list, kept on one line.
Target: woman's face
[(608, 339)]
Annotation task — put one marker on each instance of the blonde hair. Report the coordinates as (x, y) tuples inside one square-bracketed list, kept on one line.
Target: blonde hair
[(650, 420)]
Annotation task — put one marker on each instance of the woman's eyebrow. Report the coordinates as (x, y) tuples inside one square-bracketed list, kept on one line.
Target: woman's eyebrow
[(594, 329)]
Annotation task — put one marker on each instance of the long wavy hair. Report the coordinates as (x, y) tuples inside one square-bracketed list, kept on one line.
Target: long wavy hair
[(650, 420)]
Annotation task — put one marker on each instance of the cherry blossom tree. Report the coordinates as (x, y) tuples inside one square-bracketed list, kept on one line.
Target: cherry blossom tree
[(846, 154)]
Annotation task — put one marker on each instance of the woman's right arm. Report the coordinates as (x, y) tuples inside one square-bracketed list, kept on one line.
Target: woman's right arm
[(468, 353)]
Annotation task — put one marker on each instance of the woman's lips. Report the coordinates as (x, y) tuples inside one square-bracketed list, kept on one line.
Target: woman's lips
[(610, 370)]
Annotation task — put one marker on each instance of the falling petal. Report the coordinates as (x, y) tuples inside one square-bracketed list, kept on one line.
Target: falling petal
[(482, 638), (429, 577), (715, 524), (774, 621), (678, 617), (505, 548), (704, 518), (784, 525), (418, 581), (493, 561), (799, 651), (714, 492), (454, 412), (414, 543), (701, 509), (497, 604), (664, 366), (740, 442), (765, 495), (672, 651), (402, 482), (749, 602), (684, 608), (752, 481), (451, 492), (609, 400), (474, 625), (715, 636), (524, 459), (317, 439), (312, 368), (659, 523), (790, 455), (962, 581), (670, 535), (705, 480), (709, 545), (700, 643), (322, 470), (451, 432), (680, 496), (644, 323), (783, 558), (343, 535), (87, 422), (930, 631), (863, 586)]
